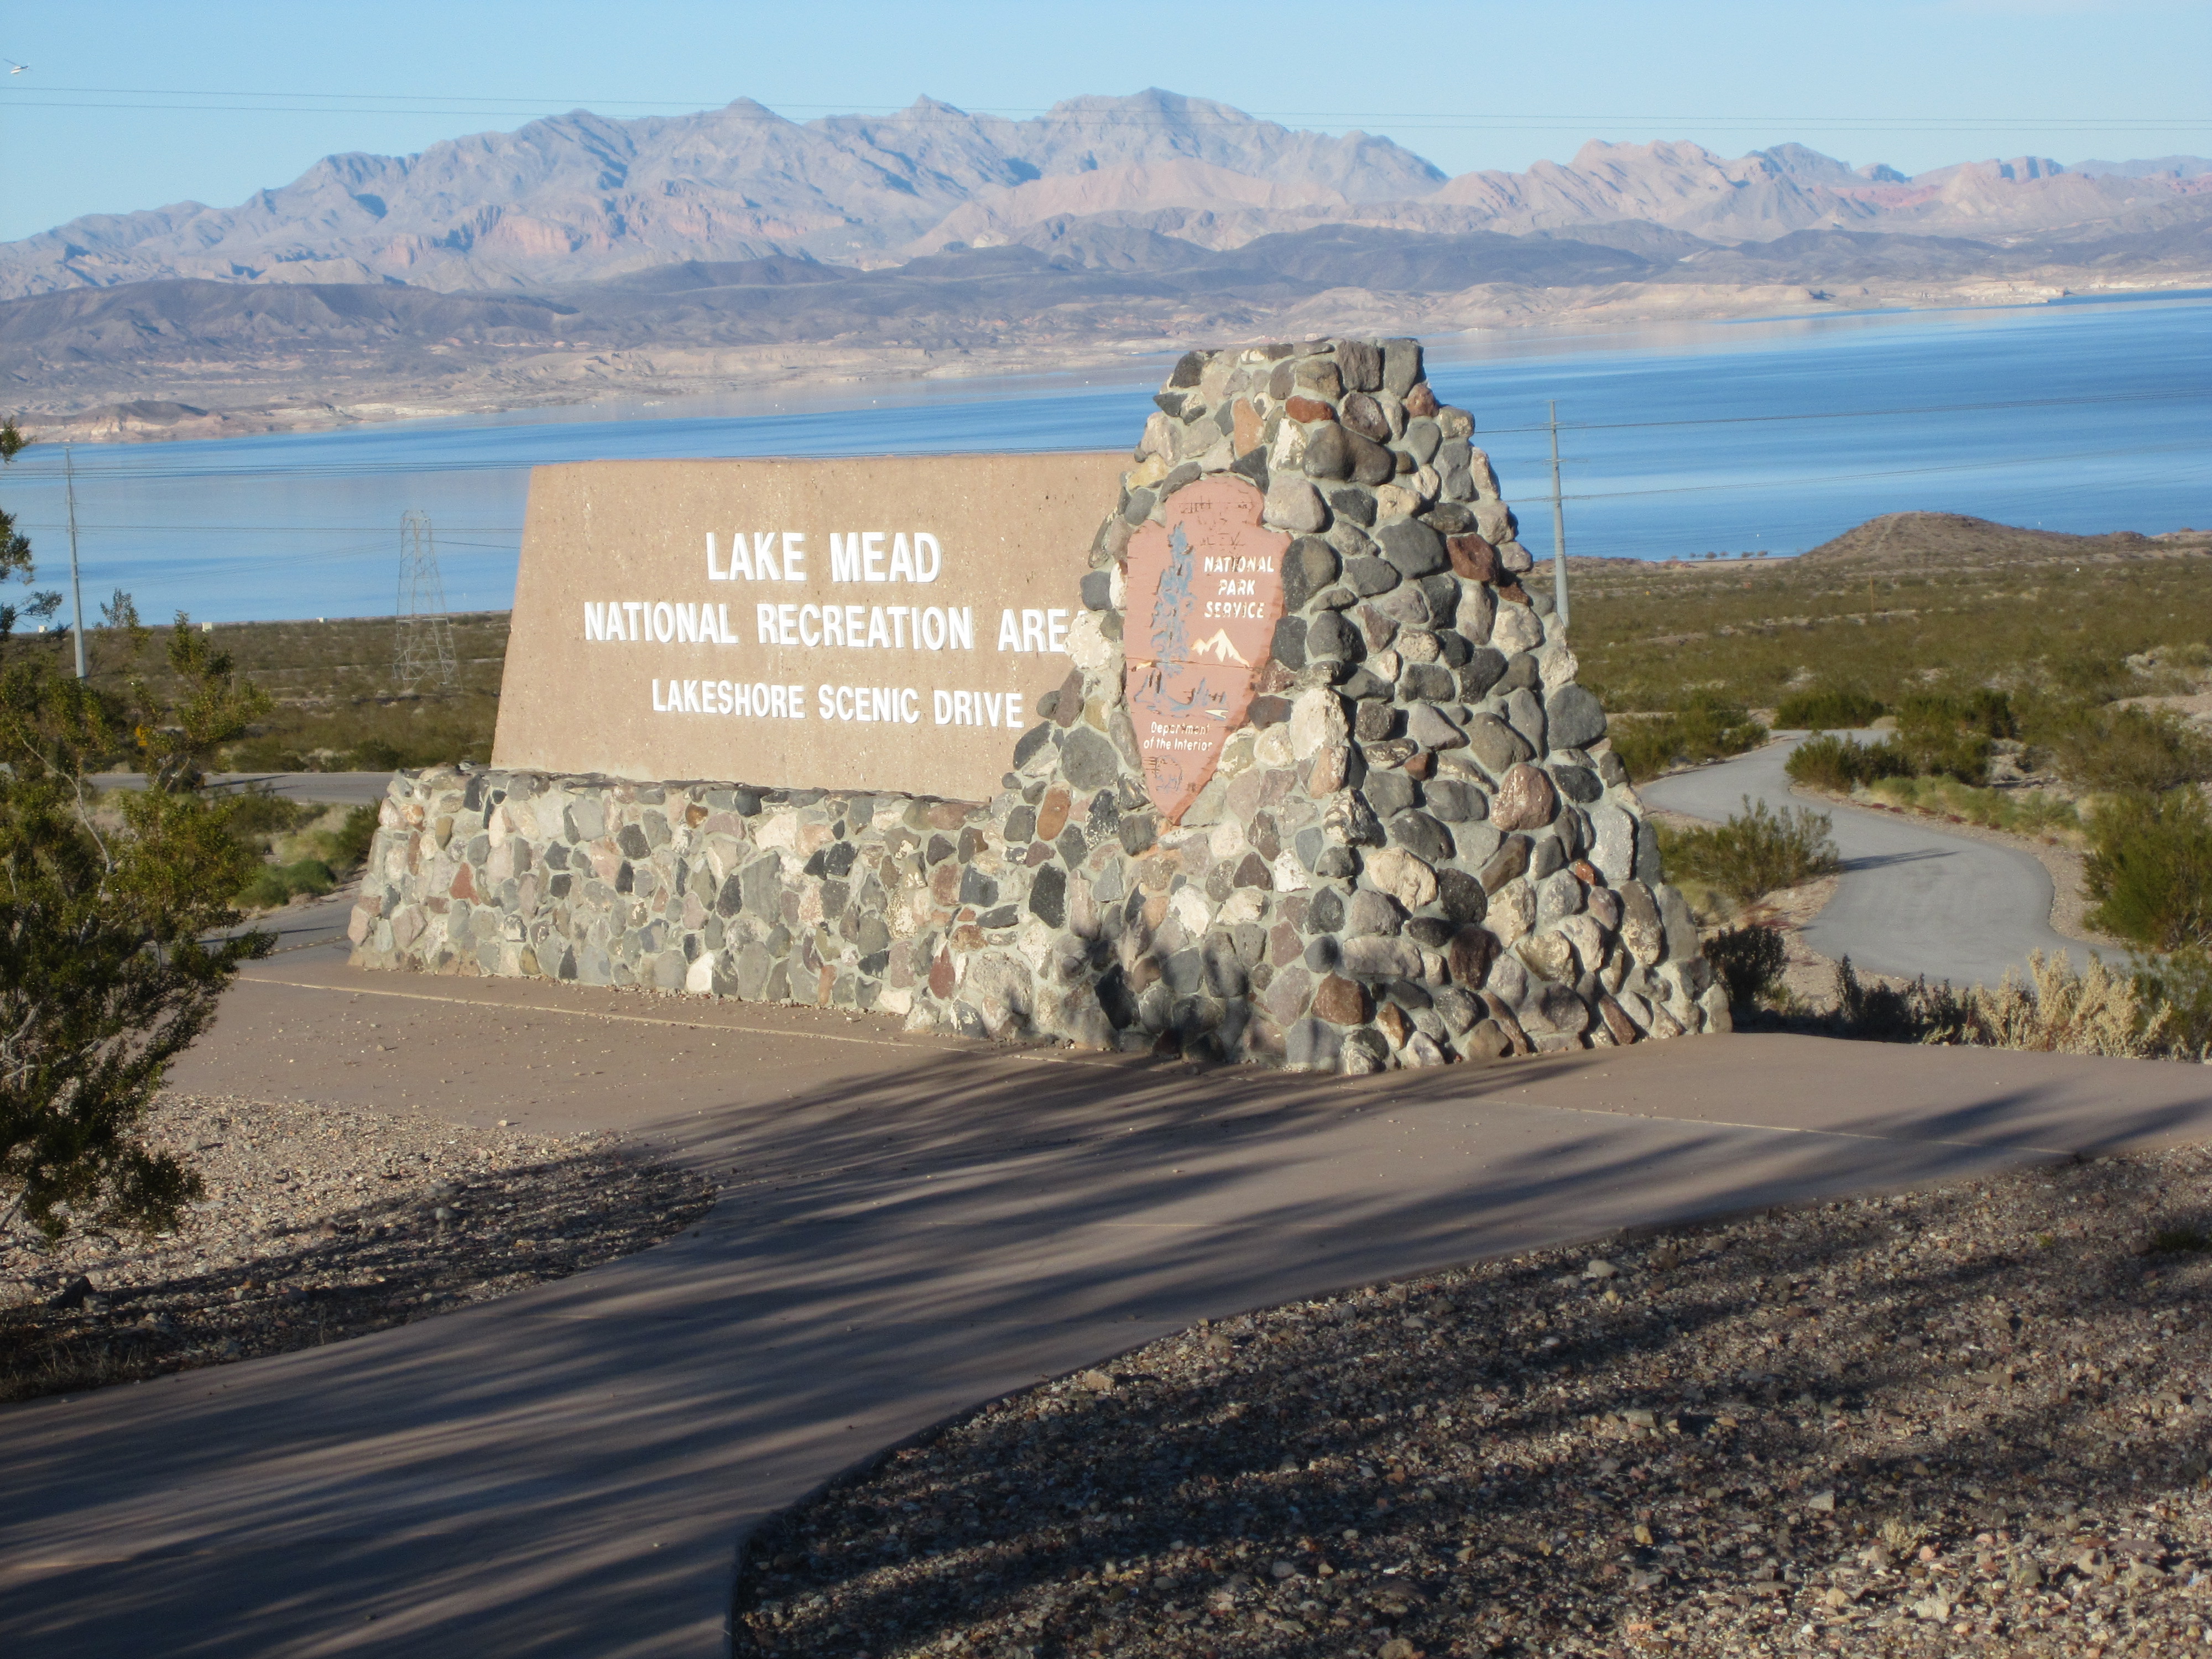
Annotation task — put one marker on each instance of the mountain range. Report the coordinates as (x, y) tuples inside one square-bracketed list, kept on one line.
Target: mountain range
[(580, 254)]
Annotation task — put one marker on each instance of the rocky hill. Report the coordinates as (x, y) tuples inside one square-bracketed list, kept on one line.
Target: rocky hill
[(580, 257), (580, 197), (1953, 539)]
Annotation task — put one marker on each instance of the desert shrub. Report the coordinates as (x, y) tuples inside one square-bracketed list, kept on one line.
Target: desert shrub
[(1756, 852), (2181, 983), (2089, 677), (1950, 736), (1707, 726), (349, 843), (1873, 1013), (264, 889), (2053, 1009), (279, 883), (339, 836), (1825, 761), (1748, 960), (376, 755), (2119, 750), (1989, 713), (2057, 1010), (2025, 812), (1826, 707), (2150, 870), (1918, 1013), (1646, 747), (256, 814)]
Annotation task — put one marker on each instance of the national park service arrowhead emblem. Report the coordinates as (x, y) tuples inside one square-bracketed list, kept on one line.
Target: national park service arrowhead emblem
[(1205, 590)]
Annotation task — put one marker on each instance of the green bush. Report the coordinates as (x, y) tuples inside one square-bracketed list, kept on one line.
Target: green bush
[(108, 971), (1990, 713), (256, 814), (1827, 707), (1918, 1012), (1749, 961), (1947, 736), (1706, 727), (1756, 852), (2182, 982), (2117, 750), (2150, 870), (349, 843), (279, 883), (1825, 761)]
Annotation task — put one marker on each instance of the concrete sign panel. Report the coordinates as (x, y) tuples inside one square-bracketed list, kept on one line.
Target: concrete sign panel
[(1205, 590), (886, 624)]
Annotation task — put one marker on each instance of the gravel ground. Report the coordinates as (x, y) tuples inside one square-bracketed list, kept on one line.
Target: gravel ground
[(321, 1222), (1965, 1420)]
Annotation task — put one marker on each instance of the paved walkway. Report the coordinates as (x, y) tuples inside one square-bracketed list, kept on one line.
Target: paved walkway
[(912, 1226), (1912, 899)]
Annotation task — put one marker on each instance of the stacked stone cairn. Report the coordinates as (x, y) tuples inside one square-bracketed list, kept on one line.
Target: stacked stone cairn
[(1417, 848)]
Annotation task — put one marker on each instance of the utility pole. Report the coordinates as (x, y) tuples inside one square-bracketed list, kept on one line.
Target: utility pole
[(1559, 526), (423, 646), (76, 582)]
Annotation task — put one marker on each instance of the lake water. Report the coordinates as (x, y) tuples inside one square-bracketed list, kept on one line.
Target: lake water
[(1677, 440)]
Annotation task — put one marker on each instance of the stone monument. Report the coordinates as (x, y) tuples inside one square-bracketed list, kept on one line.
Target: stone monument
[(1318, 789)]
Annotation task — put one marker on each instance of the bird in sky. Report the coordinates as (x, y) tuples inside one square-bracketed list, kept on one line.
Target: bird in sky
[(14, 68)]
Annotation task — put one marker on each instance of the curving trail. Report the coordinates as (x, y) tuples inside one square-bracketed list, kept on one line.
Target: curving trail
[(1912, 899), (909, 1226)]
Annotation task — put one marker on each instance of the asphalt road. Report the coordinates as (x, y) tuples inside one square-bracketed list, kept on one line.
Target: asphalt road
[(337, 788), (1912, 899), (314, 925)]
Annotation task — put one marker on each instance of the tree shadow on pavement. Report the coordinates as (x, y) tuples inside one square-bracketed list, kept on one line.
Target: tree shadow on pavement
[(894, 1245)]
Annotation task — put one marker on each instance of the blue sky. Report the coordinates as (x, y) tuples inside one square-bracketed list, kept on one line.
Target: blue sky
[(129, 105)]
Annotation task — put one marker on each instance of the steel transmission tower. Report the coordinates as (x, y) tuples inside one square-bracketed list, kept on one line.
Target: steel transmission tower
[(422, 650)]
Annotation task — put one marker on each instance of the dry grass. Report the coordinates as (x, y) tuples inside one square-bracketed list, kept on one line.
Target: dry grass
[(2061, 1011), (1919, 602), (2016, 811)]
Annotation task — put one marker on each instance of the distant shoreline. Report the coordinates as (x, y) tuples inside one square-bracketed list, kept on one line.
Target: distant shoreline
[(174, 408)]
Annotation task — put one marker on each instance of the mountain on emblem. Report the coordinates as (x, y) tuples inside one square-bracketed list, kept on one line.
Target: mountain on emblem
[(1220, 646), (1187, 700)]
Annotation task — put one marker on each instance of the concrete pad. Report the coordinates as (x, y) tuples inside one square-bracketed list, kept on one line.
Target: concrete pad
[(909, 1226)]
